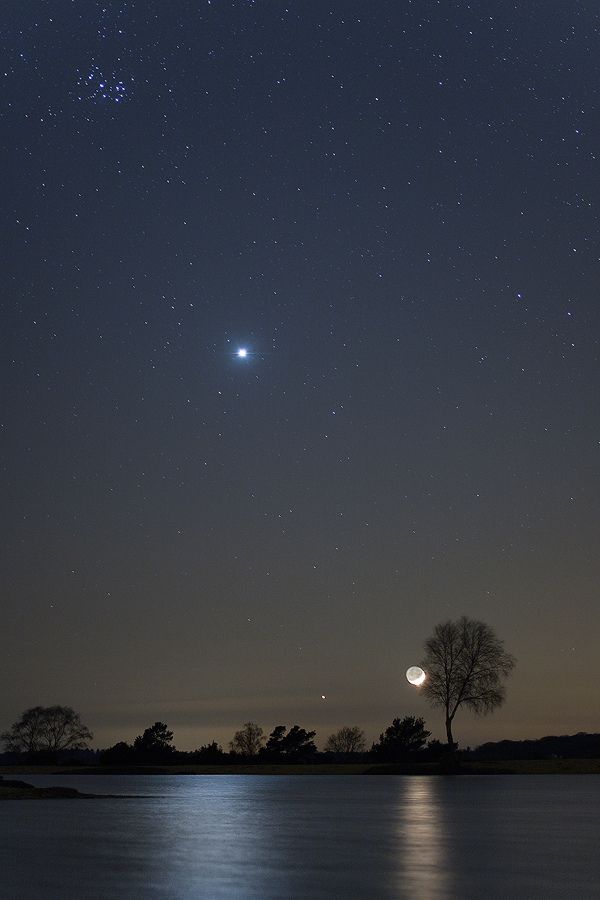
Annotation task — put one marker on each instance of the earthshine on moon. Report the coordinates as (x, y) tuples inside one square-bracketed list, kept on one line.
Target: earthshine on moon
[(415, 675)]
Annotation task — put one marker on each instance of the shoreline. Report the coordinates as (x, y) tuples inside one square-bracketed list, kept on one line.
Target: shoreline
[(469, 767)]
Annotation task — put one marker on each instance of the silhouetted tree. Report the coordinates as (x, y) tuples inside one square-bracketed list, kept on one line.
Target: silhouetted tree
[(47, 729), (154, 745), (275, 742), (296, 743), (121, 754), (402, 740), (209, 754), (349, 739), (248, 741), (465, 663)]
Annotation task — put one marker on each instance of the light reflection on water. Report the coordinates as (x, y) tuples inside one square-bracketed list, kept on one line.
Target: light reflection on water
[(306, 838), (423, 864)]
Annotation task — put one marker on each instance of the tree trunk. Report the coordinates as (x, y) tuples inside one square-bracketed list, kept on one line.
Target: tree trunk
[(449, 732)]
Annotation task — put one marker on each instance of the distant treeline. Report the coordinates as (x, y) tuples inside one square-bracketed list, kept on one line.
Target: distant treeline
[(404, 741), (566, 746)]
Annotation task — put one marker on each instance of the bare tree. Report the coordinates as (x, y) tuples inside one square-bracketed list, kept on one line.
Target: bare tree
[(465, 663), (47, 728), (349, 739), (248, 741)]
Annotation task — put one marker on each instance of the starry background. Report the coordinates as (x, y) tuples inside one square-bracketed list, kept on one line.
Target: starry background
[(393, 206)]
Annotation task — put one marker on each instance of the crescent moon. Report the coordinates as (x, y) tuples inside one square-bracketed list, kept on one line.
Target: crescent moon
[(415, 675)]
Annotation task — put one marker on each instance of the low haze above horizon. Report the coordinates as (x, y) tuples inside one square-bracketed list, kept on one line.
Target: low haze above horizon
[(300, 321)]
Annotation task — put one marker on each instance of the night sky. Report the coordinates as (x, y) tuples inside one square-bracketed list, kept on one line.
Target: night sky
[(392, 207)]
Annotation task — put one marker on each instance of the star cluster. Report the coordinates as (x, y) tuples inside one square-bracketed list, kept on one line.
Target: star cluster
[(97, 87)]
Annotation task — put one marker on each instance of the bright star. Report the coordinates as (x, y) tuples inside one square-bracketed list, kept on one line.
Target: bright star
[(242, 352)]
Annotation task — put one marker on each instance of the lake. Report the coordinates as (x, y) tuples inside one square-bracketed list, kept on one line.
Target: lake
[(251, 837)]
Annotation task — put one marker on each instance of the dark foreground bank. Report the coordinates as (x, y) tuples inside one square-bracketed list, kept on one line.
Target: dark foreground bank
[(15, 789)]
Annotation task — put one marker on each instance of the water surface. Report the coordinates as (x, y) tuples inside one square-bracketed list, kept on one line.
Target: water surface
[(241, 837)]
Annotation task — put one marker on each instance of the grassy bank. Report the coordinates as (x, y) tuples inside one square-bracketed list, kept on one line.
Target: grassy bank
[(500, 767)]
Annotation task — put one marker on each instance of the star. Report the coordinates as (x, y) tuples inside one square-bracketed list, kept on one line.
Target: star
[(242, 353)]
